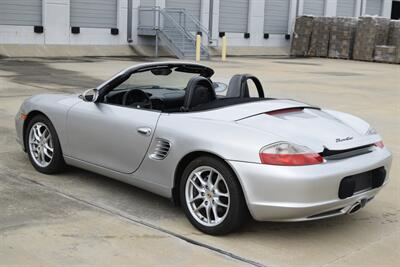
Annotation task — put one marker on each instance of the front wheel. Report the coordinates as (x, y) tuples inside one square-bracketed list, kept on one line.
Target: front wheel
[(43, 146), (212, 197)]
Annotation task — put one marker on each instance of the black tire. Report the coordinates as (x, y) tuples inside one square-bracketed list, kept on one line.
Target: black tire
[(57, 163), (237, 213)]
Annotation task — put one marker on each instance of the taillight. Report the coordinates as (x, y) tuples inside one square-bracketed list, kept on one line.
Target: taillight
[(379, 144), (287, 154)]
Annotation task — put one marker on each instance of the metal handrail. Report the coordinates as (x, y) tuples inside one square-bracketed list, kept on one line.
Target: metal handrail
[(177, 25), (193, 19), (158, 25)]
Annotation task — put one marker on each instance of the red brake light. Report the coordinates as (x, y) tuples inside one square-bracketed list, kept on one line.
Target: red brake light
[(379, 144), (291, 159), (287, 154)]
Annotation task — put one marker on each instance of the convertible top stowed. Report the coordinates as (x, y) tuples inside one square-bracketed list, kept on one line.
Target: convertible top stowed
[(218, 151)]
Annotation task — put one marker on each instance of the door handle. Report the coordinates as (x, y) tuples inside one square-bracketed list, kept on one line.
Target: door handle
[(144, 130)]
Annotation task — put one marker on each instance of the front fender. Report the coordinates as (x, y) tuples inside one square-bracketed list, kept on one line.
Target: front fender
[(53, 106)]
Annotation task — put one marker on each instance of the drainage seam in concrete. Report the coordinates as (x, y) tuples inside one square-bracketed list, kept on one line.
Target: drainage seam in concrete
[(114, 212)]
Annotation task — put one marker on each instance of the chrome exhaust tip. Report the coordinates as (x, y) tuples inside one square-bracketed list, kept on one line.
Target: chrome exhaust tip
[(355, 208)]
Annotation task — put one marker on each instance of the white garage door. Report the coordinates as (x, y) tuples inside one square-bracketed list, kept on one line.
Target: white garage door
[(94, 13), (21, 12), (276, 16), (373, 7), (346, 8), (191, 6), (314, 7), (233, 15)]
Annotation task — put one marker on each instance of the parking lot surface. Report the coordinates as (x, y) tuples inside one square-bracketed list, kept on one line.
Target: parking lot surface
[(81, 218)]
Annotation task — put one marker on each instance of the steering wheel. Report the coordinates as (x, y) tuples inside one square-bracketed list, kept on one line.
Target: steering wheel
[(136, 98)]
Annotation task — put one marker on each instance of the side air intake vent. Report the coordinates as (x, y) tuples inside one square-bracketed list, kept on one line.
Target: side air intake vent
[(160, 149)]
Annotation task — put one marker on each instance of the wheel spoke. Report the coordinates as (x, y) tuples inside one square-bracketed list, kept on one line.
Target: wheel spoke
[(35, 141), (220, 194), (45, 133), (202, 205), (209, 179), (36, 133), (46, 146), (215, 185), (198, 176), (46, 152), (214, 210), (47, 137), (198, 188), (42, 155), (208, 213), (196, 198), (219, 203), (39, 156)]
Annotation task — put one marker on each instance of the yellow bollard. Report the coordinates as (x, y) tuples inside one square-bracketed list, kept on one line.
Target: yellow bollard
[(198, 43), (223, 50)]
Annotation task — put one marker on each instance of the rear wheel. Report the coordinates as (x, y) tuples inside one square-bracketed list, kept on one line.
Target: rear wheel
[(212, 197), (43, 146)]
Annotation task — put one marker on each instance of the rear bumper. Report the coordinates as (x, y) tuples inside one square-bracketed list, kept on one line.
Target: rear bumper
[(278, 193)]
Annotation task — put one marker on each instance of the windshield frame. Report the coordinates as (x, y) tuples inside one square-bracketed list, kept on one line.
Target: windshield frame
[(124, 75)]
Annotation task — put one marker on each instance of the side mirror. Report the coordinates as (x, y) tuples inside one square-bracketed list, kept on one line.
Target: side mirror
[(89, 95), (220, 87)]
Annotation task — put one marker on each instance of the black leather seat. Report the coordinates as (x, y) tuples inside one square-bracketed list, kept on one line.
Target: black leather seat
[(238, 86), (198, 91)]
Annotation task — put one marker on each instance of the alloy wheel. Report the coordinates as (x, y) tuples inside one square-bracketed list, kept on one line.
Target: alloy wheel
[(41, 144), (207, 196)]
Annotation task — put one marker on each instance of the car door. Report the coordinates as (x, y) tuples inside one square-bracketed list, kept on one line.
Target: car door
[(111, 136)]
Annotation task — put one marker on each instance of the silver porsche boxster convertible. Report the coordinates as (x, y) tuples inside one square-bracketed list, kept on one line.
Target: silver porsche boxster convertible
[(222, 152)]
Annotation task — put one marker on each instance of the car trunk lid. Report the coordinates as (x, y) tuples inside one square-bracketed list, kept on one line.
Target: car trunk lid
[(309, 126)]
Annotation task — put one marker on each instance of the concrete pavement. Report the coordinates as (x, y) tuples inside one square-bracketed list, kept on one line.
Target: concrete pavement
[(81, 218)]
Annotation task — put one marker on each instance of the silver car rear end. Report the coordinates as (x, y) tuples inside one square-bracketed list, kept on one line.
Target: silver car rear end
[(297, 193)]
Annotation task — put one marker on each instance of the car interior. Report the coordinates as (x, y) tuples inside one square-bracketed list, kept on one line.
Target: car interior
[(199, 94)]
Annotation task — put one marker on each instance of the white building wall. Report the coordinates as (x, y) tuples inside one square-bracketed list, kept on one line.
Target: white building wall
[(387, 8), (300, 7), (358, 8), (330, 8), (256, 22), (255, 27), (56, 23), (19, 35), (292, 14)]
